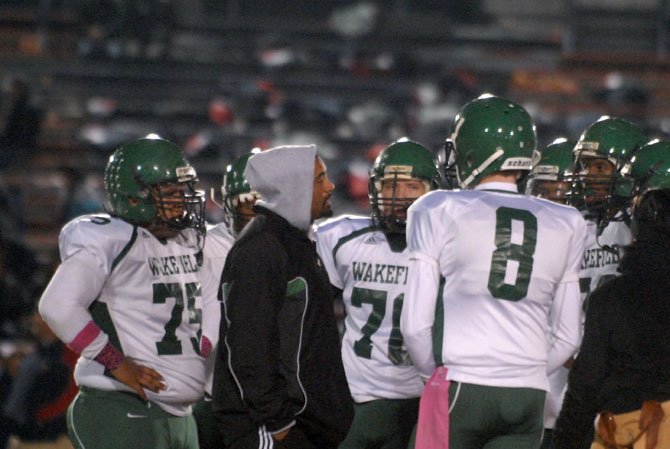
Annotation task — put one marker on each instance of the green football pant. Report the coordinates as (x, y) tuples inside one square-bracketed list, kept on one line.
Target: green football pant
[(99, 419), (483, 417), (382, 424)]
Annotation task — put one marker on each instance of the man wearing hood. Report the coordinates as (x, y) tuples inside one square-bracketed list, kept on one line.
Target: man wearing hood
[(279, 380)]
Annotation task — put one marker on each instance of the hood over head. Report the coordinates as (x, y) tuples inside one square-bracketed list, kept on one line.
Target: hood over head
[(284, 177)]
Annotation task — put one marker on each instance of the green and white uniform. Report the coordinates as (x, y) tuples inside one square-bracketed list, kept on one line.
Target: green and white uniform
[(119, 283), (373, 278), (602, 254), (509, 309)]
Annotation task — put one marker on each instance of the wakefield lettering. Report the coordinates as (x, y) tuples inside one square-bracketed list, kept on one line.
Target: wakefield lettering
[(599, 257), (172, 265), (381, 273)]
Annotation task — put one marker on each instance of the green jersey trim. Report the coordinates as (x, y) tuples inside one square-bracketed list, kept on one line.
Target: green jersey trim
[(125, 249), (352, 236), (102, 318), (438, 325)]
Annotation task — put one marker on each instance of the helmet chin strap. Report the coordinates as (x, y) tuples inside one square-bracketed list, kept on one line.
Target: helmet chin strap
[(488, 161)]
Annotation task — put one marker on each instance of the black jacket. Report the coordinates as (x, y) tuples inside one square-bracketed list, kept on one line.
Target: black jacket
[(279, 353), (625, 353)]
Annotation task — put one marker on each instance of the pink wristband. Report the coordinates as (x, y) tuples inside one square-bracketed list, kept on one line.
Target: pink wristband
[(205, 346), (109, 357)]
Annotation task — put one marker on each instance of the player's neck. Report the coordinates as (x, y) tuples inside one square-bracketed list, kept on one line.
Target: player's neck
[(510, 177)]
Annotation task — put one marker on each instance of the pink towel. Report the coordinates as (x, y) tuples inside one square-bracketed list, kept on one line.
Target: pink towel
[(433, 428)]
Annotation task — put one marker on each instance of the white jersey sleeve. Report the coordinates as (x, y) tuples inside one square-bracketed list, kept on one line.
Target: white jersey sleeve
[(217, 245), (327, 235), (566, 312), (372, 274), (419, 316), (65, 301), (85, 265)]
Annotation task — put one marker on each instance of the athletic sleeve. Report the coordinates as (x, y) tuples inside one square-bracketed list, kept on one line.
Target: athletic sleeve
[(65, 302), (566, 312), (212, 268), (325, 242), (89, 247), (418, 315)]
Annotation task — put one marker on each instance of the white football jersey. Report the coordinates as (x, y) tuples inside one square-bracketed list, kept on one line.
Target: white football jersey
[(602, 254), (493, 292), (150, 304), (217, 244), (373, 277)]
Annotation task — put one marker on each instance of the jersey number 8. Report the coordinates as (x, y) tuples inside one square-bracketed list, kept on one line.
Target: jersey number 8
[(506, 252)]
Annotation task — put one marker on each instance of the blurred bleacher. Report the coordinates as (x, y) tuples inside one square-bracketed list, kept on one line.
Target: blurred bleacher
[(219, 77)]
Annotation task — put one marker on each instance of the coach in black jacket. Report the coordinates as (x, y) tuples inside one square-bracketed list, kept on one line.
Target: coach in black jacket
[(279, 380)]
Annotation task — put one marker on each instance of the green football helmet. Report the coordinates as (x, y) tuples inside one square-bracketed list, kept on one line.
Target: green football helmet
[(491, 134), (615, 140), (236, 191), (650, 166), (551, 177), (402, 160), (132, 178)]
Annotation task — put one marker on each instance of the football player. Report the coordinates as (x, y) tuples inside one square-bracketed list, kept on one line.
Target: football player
[(238, 202), (601, 156), (126, 297), (551, 178), (492, 301), (367, 259)]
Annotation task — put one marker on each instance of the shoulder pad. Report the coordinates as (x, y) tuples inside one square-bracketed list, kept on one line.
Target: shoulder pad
[(99, 234)]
